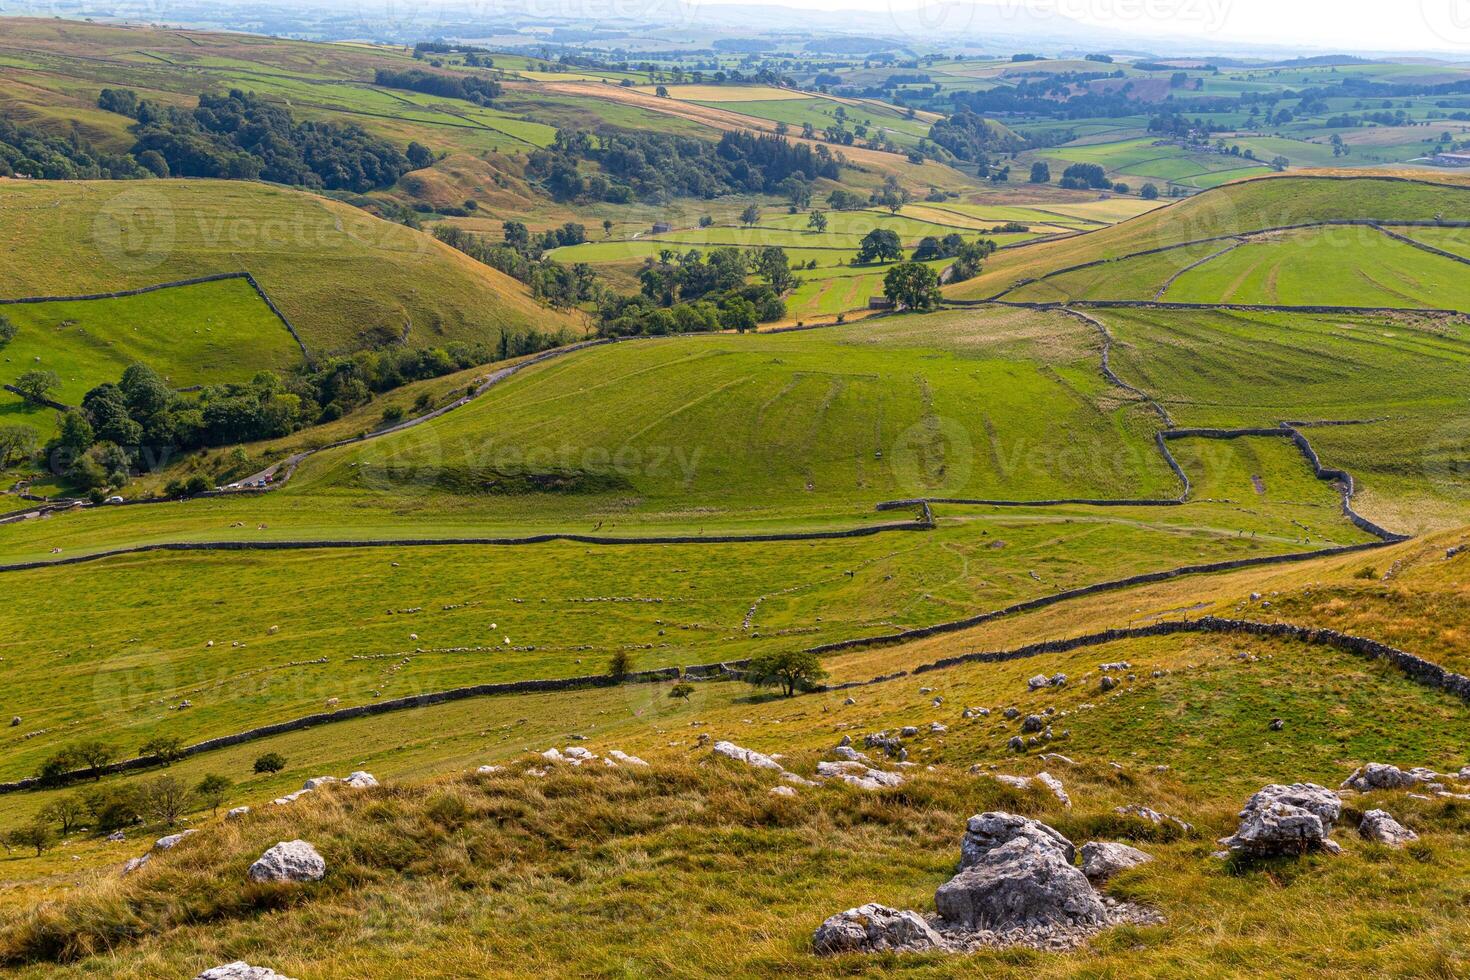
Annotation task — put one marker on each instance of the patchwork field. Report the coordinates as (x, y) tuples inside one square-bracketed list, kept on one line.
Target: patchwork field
[(1391, 374), (1108, 544)]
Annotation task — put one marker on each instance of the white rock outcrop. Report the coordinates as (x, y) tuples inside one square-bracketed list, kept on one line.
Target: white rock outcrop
[(986, 831), (289, 861), (240, 970)]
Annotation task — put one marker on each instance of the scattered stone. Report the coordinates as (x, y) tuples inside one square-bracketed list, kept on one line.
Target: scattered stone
[(1033, 723), (360, 780), (1054, 757), (985, 831), (1286, 821), (937, 728), (846, 740), (1377, 825), (15, 722), (1055, 785), (240, 970), (849, 753), (875, 929), (1277, 724), (858, 775), (796, 780), (1108, 683), (289, 797), (172, 840), (732, 751), (318, 782), (117, 836), (908, 731), (1037, 682), (1016, 744), (626, 759), (1059, 680), (1103, 859), (783, 791), (1153, 816), (1012, 713), (1376, 775), (850, 701), (237, 813), (487, 770), (294, 860), (133, 864)]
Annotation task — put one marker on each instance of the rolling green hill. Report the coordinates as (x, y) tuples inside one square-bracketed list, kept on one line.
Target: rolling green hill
[(344, 278), (1248, 206)]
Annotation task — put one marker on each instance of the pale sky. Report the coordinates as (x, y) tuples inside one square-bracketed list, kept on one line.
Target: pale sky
[(1360, 25)]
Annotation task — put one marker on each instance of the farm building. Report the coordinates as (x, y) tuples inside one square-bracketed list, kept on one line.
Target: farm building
[(1451, 159)]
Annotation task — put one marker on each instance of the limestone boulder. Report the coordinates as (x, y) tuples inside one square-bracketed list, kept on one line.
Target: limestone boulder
[(875, 928), (1025, 883), (986, 831), (289, 861)]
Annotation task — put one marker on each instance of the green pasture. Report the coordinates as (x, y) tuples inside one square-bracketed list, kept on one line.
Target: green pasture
[(239, 635), (191, 335), (1344, 266), (710, 434), (1395, 374), (1250, 206), (1139, 277)]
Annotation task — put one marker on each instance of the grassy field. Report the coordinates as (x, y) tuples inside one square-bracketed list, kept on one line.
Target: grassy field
[(1135, 160), (1335, 266), (203, 334), (1392, 372), (343, 277), (1193, 742), (1250, 206)]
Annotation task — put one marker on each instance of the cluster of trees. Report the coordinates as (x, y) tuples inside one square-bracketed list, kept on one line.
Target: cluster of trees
[(520, 255), (1081, 176), (972, 138), (241, 136), (471, 88), (28, 152), (692, 292), (141, 422), (1177, 125), (104, 809), (475, 57), (657, 166)]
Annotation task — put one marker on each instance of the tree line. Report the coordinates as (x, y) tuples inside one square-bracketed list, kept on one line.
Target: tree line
[(240, 136), (654, 166)]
